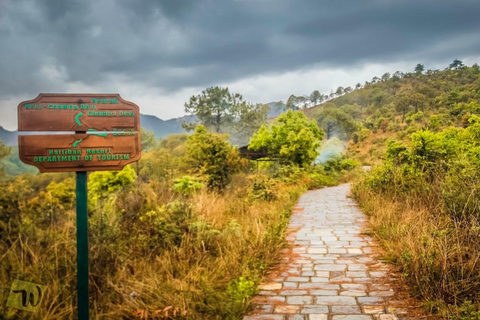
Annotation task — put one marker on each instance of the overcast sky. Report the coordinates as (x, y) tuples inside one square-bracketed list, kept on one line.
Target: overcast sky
[(157, 53)]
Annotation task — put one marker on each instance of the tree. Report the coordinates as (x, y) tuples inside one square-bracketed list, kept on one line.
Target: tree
[(394, 87), (456, 64), (339, 91), (407, 101), (302, 101), (397, 75), (103, 183), (385, 76), (336, 122), (417, 100), (316, 97), (250, 118), (292, 138), (292, 103), (215, 107), (419, 68), (212, 157), (403, 105), (148, 139), (358, 85)]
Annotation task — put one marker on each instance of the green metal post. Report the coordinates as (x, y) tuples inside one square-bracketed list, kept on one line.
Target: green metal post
[(82, 247)]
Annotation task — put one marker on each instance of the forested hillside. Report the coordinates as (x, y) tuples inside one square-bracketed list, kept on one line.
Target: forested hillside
[(422, 129), (395, 106)]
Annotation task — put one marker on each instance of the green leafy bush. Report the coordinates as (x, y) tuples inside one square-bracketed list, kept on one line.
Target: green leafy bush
[(212, 157), (292, 138), (103, 183), (239, 291), (187, 185), (262, 188), (425, 202)]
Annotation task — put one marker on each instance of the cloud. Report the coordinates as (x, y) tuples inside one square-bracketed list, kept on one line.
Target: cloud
[(168, 48)]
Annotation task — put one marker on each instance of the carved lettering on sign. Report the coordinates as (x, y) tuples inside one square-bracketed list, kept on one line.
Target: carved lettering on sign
[(79, 152), (79, 112)]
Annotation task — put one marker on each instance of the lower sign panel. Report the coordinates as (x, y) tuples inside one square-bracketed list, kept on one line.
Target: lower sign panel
[(79, 152)]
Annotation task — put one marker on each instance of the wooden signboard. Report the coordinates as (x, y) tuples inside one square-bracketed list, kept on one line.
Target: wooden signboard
[(79, 152), (78, 112), (100, 121), (105, 136)]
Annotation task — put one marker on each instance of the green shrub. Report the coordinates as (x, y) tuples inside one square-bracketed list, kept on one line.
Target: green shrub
[(340, 164), (262, 188), (103, 183), (212, 157), (425, 202), (187, 185), (240, 290)]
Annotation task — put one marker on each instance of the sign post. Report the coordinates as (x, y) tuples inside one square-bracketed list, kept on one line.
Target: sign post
[(104, 134), (82, 247)]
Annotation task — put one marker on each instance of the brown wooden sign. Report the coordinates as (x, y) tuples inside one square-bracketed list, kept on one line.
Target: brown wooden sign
[(80, 152), (106, 130), (78, 112)]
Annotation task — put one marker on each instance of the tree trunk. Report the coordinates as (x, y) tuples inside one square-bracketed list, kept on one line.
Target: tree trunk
[(217, 125)]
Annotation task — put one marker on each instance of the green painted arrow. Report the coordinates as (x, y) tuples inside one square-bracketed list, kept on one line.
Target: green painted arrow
[(92, 131), (75, 144), (77, 120)]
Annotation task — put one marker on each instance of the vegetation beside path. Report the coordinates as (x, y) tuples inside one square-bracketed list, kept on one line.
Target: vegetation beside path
[(187, 234), (424, 205)]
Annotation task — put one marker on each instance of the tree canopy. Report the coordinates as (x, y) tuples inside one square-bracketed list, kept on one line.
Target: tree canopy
[(212, 157), (219, 110), (291, 138), (336, 122), (215, 107)]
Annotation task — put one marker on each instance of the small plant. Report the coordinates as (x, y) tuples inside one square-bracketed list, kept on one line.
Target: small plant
[(187, 185), (262, 188), (240, 290)]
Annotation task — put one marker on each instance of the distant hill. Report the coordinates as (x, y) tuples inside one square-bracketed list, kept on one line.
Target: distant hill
[(276, 108), (395, 106), (163, 128), (8, 137)]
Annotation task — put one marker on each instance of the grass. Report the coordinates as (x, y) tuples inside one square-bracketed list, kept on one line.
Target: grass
[(440, 258), (154, 253)]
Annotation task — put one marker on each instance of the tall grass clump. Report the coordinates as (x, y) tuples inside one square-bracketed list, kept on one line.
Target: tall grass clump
[(424, 205)]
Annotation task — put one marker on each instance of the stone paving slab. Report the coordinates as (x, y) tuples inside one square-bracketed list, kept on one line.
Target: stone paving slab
[(329, 270)]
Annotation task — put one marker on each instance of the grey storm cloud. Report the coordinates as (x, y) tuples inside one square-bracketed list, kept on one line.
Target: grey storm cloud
[(173, 44)]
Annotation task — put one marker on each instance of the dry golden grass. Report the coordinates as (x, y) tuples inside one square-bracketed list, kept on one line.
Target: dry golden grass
[(220, 247), (440, 258)]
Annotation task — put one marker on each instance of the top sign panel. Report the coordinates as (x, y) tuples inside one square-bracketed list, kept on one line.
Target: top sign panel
[(78, 112)]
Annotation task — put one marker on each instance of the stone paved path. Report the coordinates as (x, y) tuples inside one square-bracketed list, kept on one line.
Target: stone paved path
[(330, 270)]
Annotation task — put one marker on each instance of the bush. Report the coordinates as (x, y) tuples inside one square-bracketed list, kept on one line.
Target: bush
[(212, 157), (262, 188), (292, 138), (425, 206), (187, 185), (103, 183)]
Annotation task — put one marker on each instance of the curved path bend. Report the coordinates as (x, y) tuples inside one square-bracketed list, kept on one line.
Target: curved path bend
[(330, 270)]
